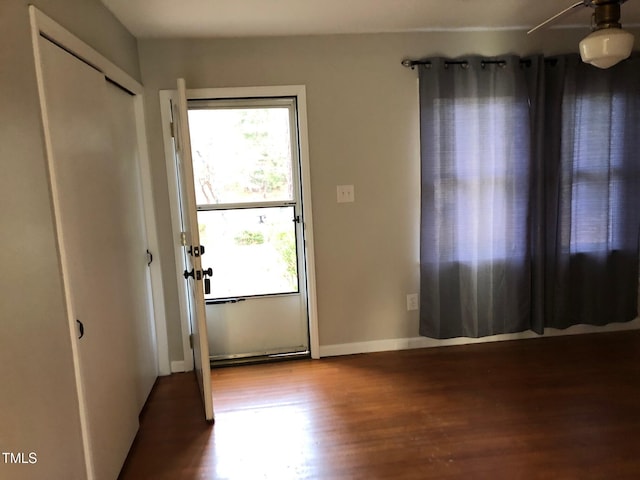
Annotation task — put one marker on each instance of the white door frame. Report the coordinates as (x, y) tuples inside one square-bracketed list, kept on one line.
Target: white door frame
[(297, 91), (43, 25)]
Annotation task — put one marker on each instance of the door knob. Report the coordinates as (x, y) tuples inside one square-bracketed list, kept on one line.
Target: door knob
[(197, 274)]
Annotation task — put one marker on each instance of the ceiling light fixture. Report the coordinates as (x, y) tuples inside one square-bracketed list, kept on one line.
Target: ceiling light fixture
[(605, 48), (608, 44)]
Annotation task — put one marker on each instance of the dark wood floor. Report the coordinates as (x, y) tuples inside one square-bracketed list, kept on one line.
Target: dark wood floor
[(553, 408)]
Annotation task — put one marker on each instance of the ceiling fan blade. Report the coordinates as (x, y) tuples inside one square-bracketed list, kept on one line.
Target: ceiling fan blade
[(582, 3)]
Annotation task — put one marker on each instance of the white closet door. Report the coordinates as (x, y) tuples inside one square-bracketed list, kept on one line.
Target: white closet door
[(132, 259), (88, 203)]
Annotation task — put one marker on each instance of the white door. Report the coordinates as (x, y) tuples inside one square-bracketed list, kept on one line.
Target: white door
[(134, 260), (89, 184), (248, 194), (193, 271)]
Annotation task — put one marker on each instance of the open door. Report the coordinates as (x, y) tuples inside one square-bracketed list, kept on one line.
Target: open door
[(194, 273)]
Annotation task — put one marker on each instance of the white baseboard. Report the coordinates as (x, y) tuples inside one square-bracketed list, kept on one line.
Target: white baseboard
[(177, 366), (424, 342)]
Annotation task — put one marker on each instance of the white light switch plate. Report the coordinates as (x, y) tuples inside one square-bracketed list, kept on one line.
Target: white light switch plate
[(346, 194)]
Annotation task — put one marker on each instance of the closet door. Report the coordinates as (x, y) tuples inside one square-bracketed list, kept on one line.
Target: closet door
[(132, 255), (90, 213)]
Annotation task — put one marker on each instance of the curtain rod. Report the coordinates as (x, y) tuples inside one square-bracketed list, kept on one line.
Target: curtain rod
[(412, 63), (525, 62)]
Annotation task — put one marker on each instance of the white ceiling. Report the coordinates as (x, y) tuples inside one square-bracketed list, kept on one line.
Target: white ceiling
[(241, 18)]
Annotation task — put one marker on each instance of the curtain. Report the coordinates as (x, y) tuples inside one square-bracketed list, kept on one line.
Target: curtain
[(477, 163), (592, 156), (530, 206)]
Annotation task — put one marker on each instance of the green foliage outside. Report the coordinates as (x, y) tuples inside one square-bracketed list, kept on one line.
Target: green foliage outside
[(250, 238), (285, 244)]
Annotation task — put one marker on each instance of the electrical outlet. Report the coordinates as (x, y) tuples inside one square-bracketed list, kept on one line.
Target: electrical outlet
[(412, 301)]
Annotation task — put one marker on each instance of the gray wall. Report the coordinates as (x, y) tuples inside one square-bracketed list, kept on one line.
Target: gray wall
[(363, 130), (38, 404)]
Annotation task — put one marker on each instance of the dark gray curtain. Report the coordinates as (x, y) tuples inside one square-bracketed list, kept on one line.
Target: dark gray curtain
[(592, 161), (530, 212), (478, 162)]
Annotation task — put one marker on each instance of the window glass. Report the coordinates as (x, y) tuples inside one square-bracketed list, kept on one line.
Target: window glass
[(593, 172), (251, 251), (481, 194), (241, 155)]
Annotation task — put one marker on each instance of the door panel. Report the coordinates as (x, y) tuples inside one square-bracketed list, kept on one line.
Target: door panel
[(87, 193), (193, 284), (246, 328)]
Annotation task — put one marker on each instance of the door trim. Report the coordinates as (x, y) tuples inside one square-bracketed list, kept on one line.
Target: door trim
[(297, 91)]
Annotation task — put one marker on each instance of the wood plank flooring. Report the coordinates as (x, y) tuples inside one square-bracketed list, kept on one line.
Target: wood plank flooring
[(553, 408)]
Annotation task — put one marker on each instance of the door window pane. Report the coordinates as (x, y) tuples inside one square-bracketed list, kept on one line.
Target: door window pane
[(241, 155), (251, 251)]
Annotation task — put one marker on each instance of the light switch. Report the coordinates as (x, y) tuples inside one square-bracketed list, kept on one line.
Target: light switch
[(346, 194)]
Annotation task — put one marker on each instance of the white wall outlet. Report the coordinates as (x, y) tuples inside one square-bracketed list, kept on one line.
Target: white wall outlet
[(346, 194), (412, 301)]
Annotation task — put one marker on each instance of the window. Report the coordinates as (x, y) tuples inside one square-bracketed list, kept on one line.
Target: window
[(482, 192), (247, 193), (593, 166)]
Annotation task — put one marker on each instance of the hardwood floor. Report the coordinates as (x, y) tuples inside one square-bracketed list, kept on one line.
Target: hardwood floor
[(553, 408)]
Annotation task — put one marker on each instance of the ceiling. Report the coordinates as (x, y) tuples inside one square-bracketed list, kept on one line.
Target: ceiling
[(242, 18)]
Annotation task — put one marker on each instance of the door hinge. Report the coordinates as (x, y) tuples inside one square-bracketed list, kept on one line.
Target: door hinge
[(149, 258), (191, 340), (172, 127), (183, 239)]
